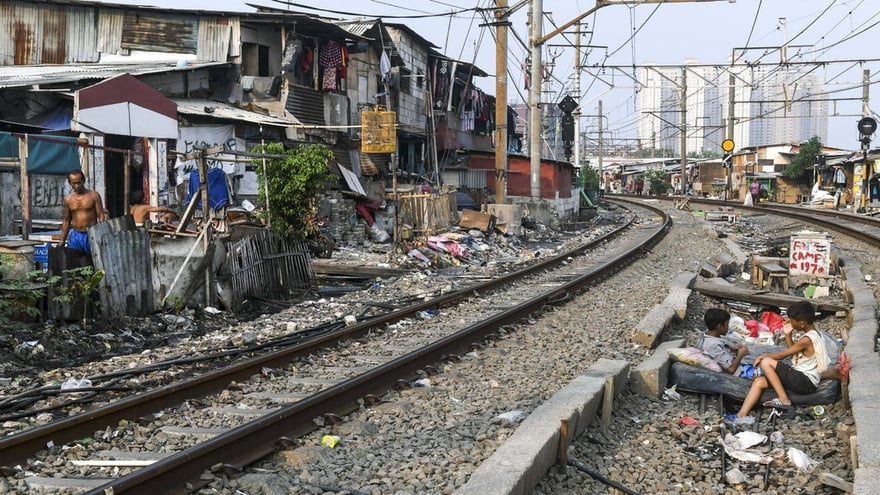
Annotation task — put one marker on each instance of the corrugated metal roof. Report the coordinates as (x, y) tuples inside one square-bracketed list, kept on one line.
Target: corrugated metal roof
[(217, 110), (18, 76)]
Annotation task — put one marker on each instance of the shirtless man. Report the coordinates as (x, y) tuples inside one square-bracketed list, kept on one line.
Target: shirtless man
[(140, 212), (82, 209)]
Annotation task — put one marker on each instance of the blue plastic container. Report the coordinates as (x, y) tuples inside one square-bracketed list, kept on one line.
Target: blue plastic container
[(41, 256)]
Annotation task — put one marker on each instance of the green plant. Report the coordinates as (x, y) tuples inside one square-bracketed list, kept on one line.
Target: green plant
[(20, 297), (657, 183), (290, 185), (174, 303), (82, 284), (589, 178), (803, 161)]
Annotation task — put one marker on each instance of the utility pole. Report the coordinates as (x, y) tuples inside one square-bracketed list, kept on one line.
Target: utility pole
[(537, 15), (684, 109), (536, 40), (577, 92), (601, 149), (501, 23), (861, 199)]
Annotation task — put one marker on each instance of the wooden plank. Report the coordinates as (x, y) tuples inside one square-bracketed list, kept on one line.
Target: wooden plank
[(114, 462), (836, 481), (772, 268), (721, 289)]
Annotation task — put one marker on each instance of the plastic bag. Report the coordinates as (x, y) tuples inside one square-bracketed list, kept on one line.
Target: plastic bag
[(801, 460), (772, 320)]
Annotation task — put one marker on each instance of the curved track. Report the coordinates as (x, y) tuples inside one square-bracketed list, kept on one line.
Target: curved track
[(252, 440)]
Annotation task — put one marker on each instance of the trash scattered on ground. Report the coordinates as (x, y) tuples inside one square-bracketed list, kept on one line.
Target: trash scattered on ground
[(735, 477), (330, 441), (511, 417), (687, 420), (801, 459), (671, 394), (73, 384)]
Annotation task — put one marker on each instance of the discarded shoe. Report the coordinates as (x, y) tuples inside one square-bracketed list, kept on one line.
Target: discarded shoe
[(733, 419), (777, 404)]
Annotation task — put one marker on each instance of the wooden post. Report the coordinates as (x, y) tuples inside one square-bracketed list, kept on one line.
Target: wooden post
[(206, 224), (126, 161), (562, 454), (608, 400), (25, 188)]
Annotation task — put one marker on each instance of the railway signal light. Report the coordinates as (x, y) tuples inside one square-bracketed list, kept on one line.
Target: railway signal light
[(867, 126), (727, 145)]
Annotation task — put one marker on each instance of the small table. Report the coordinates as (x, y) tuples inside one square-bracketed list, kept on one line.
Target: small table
[(770, 274)]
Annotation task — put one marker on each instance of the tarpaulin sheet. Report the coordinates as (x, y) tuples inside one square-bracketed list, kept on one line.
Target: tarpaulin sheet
[(218, 194), (44, 157)]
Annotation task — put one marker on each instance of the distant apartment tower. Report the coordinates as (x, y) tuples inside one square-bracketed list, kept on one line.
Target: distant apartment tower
[(771, 105)]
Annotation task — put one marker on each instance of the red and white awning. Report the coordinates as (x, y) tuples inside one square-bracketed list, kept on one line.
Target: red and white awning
[(126, 106)]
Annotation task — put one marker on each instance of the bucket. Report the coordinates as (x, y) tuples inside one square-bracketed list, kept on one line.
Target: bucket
[(17, 261)]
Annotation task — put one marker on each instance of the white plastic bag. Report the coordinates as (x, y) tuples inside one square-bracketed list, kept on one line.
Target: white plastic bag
[(801, 460)]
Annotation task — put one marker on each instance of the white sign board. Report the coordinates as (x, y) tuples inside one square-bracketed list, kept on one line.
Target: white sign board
[(810, 255)]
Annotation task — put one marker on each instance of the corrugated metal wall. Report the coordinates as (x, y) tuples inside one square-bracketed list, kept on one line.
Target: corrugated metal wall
[(307, 104), (32, 34), (123, 252), (82, 35), (110, 31), (160, 33), (44, 34), (214, 36), (54, 29)]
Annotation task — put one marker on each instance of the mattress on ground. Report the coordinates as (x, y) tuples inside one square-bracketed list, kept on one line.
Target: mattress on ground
[(689, 378)]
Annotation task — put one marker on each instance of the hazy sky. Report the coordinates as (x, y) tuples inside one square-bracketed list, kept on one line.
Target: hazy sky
[(668, 34)]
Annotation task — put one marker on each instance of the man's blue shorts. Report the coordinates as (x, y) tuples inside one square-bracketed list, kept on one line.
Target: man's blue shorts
[(79, 241)]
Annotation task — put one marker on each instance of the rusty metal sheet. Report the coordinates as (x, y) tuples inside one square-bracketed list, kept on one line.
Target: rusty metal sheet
[(147, 31), (21, 35), (53, 25)]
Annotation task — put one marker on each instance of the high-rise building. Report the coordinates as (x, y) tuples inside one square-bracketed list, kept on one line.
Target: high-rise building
[(772, 104)]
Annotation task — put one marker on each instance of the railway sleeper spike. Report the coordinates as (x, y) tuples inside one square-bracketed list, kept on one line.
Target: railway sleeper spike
[(372, 399), (333, 419), (228, 470), (431, 370), (285, 443), (454, 358), (401, 384), (562, 298), (476, 346)]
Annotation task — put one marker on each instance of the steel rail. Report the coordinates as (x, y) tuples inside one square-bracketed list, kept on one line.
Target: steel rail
[(243, 445), (831, 219), (15, 449)]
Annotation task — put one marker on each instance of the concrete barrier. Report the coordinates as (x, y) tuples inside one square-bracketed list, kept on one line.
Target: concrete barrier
[(649, 378), (864, 375), (523, 460)]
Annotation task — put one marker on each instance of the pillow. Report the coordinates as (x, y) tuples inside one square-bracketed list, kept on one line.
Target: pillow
[(693, 357)]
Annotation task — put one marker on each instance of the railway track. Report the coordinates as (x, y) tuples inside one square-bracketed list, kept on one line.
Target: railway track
[(372, 357), (862, 227)]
